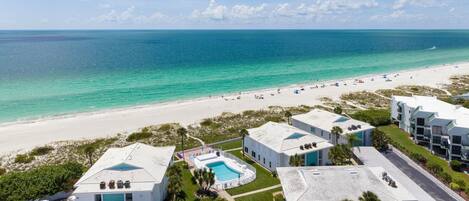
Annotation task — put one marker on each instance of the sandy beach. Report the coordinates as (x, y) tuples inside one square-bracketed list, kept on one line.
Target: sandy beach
[(26, 135)]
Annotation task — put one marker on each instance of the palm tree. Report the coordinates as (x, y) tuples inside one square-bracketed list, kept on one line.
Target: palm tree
[(175, 184), (352, 139), (368, 196), (288, 116), (182, 132), (89, 152), (340, 154), (336, 131), (296, 161), (243, 133)]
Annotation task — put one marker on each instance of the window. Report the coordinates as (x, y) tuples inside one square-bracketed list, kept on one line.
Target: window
[(437, 130), (259, 157), (456, 150), (270, 164), (246, 150), (97, 197), (456, 139), (253, 154), (420, 121), (128, 197), (313, 130), (420, 131), (263, 160), (329, 136)]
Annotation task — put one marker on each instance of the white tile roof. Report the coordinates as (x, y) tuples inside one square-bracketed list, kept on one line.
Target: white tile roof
[(287, 139), (325, 183), (442, 109), (327, 120), (143, 164)]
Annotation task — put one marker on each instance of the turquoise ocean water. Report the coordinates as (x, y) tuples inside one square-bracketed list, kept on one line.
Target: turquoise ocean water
[(47, 73)]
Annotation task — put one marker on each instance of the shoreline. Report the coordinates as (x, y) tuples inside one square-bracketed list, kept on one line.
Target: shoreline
[(20, 135), (27, 120)]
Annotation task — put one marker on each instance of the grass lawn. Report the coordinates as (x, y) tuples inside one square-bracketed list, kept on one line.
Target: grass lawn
[(263, 179), (398, 136), (188, 187), (229, 145), (266, 195)]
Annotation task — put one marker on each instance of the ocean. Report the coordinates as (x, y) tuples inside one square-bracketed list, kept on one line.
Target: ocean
[(50, 73)]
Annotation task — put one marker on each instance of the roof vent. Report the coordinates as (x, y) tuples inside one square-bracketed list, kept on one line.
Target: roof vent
[(353, 172), (102, 185), (127, 184), (314, 144), (120, 184), (112, 184), (359, 126), (301, 147), (316, 173)]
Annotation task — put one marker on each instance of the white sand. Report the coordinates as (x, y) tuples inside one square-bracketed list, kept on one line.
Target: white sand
[(26, 135)]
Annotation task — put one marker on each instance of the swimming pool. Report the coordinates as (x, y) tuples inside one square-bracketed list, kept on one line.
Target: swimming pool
[(222, 171)]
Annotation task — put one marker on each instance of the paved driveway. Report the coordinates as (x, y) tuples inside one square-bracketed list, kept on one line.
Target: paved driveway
[(426, 184)]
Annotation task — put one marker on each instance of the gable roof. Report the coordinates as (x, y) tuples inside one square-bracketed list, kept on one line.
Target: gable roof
[(287, 139), (325, 120), (137, 163)]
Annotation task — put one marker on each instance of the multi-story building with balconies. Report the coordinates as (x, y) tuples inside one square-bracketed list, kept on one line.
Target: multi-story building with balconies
[(438, 125)]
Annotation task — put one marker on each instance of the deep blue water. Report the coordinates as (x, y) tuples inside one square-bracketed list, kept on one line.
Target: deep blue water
[(45, 73)]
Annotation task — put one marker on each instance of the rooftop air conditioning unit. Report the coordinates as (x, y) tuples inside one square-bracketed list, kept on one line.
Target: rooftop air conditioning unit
[(102, 185), (112, 184), (127, 184), (120, 184)]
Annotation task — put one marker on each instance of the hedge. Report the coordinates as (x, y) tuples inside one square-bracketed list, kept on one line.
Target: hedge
[(375, 117)]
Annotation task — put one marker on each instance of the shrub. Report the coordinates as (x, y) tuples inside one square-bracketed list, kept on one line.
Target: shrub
[(2, 171), (24, 158), (338, 110), (274, 174), (375, 117), (456, 165), (445, 177), (435, 168), (279, 197), (418, 157), (39, 182), (379, 140), (454, 186), (144, 134), (461, 183), (39, 151)]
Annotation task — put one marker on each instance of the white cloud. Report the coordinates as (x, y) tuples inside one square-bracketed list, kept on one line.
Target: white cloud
[(245, 11), (129, 16), (323, 7), (213, 11), (396, 15), (399, 4)]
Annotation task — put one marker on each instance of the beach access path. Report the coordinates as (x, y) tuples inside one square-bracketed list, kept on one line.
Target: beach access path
[(26, 135)]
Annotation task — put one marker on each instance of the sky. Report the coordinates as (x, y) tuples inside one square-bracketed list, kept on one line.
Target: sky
[(231, 14)]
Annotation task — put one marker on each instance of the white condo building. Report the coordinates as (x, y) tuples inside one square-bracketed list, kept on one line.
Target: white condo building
[(272, 144), (321, 122), (442, 127), (134, 172), (327, 183)]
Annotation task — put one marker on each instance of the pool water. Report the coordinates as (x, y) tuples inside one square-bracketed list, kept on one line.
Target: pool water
[(223, 172)]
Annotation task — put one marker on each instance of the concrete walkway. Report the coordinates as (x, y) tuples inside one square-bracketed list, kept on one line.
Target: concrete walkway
[(234, 149), (257, 191), (225, 195), (429, 176)]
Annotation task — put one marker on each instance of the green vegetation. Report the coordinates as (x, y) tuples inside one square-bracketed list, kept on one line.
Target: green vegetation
[(266, 195), (175, 188), (189, 186), (24, 158), (456, 165), (145, 133), (263, 179), (2, 171), (40, 151), (338, 110), (340, 154), (296, 161), (229, 125), (393, 92), (436, 165), (423, 91), (229, 145), (459, 85), (40, 182), (368, 196), (379, 140), (367, 99), (375, 117)]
